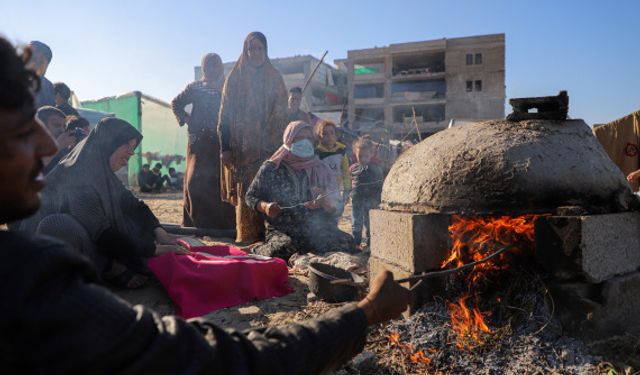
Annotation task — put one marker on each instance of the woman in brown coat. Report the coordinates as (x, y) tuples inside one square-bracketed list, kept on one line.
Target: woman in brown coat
[(253, 116), (203, 207)]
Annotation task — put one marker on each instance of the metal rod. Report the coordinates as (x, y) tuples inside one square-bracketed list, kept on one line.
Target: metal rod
[(432, 274), (191, 231), (314, 71)]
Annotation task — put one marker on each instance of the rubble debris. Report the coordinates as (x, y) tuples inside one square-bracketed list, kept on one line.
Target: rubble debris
[(548, 108)]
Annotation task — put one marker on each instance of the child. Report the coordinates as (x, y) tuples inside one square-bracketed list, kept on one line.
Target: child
[(334, 154), (366, 178), (175, 179)]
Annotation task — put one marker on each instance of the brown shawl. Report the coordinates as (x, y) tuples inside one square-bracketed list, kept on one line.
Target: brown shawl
[(254, 107)]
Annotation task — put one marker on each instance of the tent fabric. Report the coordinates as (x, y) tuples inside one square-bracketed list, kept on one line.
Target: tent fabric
[(215, 277), (621, 141)]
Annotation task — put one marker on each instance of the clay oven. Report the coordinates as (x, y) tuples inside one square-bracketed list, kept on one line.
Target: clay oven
[(588, 239)]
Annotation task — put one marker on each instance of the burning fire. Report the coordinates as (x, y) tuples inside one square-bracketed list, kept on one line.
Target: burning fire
[(407, 350), (474, 239)]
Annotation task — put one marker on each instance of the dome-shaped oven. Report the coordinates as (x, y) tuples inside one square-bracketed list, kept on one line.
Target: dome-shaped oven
[(507, 167)]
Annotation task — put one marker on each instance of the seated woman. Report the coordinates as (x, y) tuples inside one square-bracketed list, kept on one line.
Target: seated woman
[(298, 193), (86, 205)]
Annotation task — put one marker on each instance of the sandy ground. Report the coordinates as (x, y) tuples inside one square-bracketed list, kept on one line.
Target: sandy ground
[(168, 209), (276, 311), (380, 356)]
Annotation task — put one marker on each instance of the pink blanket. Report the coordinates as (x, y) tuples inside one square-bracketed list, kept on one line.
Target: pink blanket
[(215, 277)]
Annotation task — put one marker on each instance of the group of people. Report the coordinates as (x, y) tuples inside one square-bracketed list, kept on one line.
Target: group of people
[(79, 227), (251, 147), (54, 110), (153, 181)]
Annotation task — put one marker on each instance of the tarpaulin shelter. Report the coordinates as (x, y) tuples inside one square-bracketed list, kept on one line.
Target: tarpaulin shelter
[(621, 140), (164, 140)]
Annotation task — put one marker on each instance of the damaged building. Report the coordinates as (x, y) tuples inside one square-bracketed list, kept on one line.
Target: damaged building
[(441, 80)]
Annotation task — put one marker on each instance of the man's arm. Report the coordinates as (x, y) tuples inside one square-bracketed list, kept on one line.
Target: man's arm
[(65, 325)]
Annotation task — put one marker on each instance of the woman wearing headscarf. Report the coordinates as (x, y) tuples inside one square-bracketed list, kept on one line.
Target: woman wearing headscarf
[(297, 193), (86, 205), (253, 115), (202, 203)]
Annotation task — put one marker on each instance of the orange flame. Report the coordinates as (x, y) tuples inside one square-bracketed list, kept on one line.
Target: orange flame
[(407, 350), (473, 240), (420, 357)]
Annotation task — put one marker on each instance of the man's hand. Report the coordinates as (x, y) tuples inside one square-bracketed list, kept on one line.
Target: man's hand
[(226, 158), (386, 299), (633, 176)]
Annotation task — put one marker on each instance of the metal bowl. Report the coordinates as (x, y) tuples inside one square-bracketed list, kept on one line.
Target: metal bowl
[(333, 284)]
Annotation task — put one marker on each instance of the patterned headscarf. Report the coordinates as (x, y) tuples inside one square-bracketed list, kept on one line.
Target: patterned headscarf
[(319, 173)]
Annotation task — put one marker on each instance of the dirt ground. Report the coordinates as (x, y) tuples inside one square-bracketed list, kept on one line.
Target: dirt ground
[(380, 356), (276, 311)]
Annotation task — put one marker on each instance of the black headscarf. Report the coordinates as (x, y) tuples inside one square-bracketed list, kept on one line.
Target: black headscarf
[(86, 172)]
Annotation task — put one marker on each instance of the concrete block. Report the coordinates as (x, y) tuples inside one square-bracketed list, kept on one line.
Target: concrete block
[(414, 242), (597, 247), (573, 306), (621, 302), (599, 311)]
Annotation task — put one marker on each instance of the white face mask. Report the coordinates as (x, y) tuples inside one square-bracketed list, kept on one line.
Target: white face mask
[(302, 148)]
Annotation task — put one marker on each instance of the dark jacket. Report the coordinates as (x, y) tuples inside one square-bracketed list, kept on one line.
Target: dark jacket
[(54, 320), (68, 109), (366, 182), (45, 95)]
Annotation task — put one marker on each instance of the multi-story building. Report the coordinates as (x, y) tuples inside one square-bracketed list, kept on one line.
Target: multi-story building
[(426, 84)]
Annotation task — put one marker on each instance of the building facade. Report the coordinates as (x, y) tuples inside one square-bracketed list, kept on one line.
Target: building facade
[(424, 85)]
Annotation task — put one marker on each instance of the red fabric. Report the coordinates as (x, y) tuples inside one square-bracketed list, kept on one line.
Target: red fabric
[(200, 284)]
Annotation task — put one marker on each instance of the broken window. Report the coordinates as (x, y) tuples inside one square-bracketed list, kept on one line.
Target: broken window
[(369, 118), (374, 90), (418, 90), (423, 113), (469, 59), (478, 85), (478, 59), (417, 63), (469, 86)]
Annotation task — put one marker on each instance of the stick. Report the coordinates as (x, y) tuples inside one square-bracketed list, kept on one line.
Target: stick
[(415, 122), (190, 231), (314, 71), (432, 274)]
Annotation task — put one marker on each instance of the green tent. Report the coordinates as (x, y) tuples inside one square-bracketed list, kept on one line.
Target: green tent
[(164, 141)]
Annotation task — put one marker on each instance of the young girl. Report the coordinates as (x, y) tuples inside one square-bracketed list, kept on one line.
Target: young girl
[(366, 184), (334, 154)]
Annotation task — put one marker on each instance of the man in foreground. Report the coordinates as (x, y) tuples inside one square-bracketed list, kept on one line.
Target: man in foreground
[(55, 320)]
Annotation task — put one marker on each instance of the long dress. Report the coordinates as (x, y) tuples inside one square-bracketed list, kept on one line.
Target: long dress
[(87, 206), (297, 229), (253, 116), (202, 203)]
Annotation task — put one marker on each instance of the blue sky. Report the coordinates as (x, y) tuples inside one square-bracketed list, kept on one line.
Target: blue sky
[(591, 49)]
